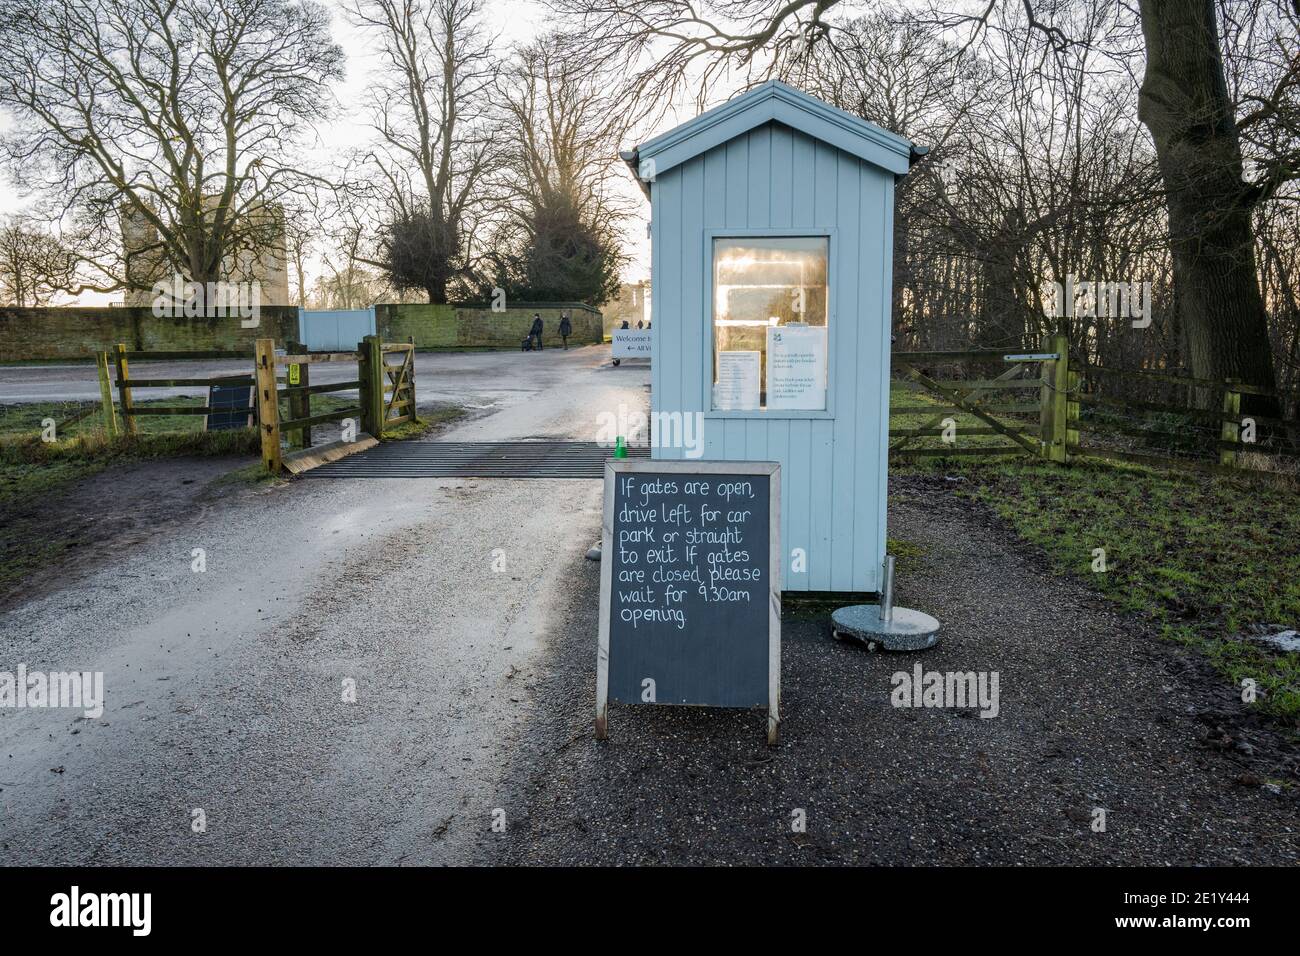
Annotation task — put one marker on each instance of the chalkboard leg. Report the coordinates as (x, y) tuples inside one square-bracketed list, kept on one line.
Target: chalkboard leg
[(602, 723), (773, 726)]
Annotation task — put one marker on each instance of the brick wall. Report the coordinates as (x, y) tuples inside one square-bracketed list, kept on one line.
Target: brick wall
[(75, 332), (477, 326)]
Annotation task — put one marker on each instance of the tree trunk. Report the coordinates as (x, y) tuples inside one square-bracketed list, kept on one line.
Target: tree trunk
[(1184, 102)]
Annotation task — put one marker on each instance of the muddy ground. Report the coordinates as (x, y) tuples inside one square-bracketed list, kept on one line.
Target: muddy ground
[(1094, 713), (476, 690), (342, 684), (106, 516)]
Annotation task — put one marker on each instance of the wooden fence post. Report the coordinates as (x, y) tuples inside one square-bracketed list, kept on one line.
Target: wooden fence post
[(410, 340), (363, 376), (124, 390), (106, 394), (1229, 431), (1054, 400), (299, 402), (372, 397), (268, 405), (1072, 407)]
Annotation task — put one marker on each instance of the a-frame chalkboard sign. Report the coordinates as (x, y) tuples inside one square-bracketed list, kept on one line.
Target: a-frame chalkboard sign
[(690, 586)]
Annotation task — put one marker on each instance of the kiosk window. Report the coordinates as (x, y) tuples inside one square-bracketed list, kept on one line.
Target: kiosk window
[(769, 323)]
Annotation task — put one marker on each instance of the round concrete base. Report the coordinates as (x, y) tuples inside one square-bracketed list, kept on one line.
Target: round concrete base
[(909, 630)]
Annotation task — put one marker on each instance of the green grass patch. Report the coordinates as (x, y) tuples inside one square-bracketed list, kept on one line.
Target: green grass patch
[(18, 420), (250, 475), (907, 556), (429, 419), (30, 467), (906, 394), (34, 473), (1204, 557)]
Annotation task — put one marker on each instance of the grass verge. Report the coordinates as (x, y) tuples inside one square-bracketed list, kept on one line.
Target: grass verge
[(31, 466), (1208, 559)]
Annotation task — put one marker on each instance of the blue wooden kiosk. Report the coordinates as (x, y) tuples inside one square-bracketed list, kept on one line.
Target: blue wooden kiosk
[(772, 233)]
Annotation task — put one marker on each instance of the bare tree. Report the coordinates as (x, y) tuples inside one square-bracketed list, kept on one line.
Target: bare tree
[(34, 265), (348, 285), (429, 107), (301, 230), (176, 121), (564, 132), (670, 47), (1185, 104)]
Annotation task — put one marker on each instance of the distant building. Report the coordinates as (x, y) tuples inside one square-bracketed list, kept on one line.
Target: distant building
[(268, 264), (632, 305)]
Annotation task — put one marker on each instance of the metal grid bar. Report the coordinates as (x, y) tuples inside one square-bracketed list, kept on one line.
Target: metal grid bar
[(442, 459)]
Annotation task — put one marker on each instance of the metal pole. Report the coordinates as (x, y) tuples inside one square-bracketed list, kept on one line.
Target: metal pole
[(887, 590)]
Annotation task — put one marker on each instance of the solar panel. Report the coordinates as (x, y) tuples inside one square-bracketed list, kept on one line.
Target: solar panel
[(232, 404)]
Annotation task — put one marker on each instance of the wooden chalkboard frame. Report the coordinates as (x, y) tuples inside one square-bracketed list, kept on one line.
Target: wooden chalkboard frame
[(769, 469)]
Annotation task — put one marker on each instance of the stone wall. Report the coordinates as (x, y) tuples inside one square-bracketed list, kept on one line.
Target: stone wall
[(75, 332), (475, 325)]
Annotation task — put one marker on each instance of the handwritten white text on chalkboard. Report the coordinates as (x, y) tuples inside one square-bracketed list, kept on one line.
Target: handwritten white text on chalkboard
[(678, 540)]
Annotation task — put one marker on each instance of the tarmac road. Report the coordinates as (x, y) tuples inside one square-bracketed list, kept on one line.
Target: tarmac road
[(225, 690), (476, 378)]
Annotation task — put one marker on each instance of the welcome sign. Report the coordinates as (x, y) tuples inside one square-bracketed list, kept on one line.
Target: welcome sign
[(631, 343), (690, 586)]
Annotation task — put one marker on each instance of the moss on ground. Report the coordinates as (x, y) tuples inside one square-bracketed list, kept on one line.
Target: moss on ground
[(429, 418), (1205, 558)]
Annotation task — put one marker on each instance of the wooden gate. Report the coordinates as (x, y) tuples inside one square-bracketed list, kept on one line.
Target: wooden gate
[(391, 369), (1039, 426)]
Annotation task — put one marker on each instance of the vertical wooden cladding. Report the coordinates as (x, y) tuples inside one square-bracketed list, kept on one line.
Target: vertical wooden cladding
[(776, 178)]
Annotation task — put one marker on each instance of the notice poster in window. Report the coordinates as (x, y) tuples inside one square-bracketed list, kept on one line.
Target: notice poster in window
[(737, 386), (796, 367)]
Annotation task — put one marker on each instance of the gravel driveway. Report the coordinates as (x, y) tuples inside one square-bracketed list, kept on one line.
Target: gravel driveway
[(1093, 714), (475, 690), (342, 684)]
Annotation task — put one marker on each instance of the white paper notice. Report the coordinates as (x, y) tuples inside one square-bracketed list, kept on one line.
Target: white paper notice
[(796, 367), (737, 386)]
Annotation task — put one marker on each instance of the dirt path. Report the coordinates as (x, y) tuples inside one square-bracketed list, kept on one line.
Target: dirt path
[(228, 692), (1093, 714), (102, 518)]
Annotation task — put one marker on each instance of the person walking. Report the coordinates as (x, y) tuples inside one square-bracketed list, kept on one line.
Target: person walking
[(566, 328), (535, 333)]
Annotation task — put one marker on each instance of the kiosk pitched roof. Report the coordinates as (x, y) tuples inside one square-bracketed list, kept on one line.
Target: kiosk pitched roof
[(773, 101)]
